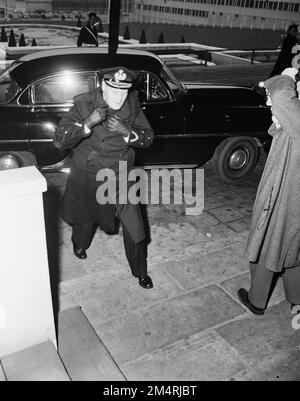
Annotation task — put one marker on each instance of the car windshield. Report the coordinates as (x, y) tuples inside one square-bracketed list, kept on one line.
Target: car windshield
[(8, 87)]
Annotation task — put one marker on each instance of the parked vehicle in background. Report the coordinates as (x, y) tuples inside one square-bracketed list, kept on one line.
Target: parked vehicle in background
[(49, 15), (193, 122), (75, 14), (18, 15)]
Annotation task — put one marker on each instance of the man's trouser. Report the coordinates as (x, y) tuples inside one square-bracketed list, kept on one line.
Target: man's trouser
[(262, 281), (135, 253)]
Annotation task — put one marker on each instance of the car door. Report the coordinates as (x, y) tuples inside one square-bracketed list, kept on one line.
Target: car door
[(13, 117), (50, 98), (220, 112), (248, 113), (166, 119), (208, 121)]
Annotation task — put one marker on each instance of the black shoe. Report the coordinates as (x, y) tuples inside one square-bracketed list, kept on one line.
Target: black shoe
[(243, 296), (145, 281), (78, 252)]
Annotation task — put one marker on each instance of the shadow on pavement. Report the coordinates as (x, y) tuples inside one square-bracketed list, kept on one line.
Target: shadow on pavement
[(51, 210)]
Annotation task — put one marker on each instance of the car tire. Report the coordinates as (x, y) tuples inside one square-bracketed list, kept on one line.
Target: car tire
[(235, 158), (12, 160)]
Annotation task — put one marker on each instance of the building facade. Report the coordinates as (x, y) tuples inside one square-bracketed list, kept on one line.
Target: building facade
[(100, 6), (262, 14), (33, 5), (26, 5), (11, 5)]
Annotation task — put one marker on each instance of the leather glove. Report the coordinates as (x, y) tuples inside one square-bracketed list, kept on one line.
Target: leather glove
[(96, 117), (296, 61), (116, 124), (290, 72)]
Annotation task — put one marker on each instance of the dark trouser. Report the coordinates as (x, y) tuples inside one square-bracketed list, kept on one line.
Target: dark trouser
[(262, 281), (135, 253)]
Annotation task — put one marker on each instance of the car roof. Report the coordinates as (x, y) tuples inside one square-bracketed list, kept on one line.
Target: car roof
[(47, 62)]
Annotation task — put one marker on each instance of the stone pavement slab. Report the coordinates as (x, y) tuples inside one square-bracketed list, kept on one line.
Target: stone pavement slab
[(226, 213), (105, 296), (240, 225), (203, 356), (215, 232), (200, 270), (38, 363), (226, 198), (213, 244), (202, 222), (105, 253), (278, 368), (169, 241), (82, 352), (158, 325), (260, 339)]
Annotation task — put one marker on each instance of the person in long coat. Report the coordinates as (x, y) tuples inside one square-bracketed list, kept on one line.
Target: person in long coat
[(273, 246), (102, 128), (286, 55), (88, 34)]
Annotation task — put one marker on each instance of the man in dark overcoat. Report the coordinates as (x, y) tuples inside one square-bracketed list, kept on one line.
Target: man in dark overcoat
[(102, 128), (286, 55), (89, 33)]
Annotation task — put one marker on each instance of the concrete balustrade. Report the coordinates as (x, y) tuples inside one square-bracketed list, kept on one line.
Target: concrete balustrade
[(26, 314)]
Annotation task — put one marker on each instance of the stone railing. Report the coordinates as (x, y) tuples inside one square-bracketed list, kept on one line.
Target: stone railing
[(207, 54)]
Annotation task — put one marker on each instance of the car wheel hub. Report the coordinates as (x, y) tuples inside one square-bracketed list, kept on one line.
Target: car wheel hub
[(8, 162), (238, 159)]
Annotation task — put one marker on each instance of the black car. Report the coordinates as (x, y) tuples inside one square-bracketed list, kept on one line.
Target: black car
[(192, 122)]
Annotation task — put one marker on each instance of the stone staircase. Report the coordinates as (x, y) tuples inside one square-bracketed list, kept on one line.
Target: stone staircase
[(81, 356)]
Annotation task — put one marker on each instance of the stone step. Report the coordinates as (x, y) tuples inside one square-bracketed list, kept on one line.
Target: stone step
[(38, 363), (81, 350)]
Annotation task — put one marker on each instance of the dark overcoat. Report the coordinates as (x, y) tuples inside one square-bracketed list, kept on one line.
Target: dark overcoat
[(275, 227), (285, 56), (101, 150), (88, 35)]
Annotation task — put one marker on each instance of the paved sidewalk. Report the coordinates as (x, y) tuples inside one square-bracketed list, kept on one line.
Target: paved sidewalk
[(191, 326)]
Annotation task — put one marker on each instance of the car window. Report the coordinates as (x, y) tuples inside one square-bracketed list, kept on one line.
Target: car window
[(8, 88), (62, 88), (150, 88), (172, 81)]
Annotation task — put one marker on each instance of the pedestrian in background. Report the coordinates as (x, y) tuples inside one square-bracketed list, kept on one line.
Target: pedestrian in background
[(285, 57), (88, 34), (274, 239)]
